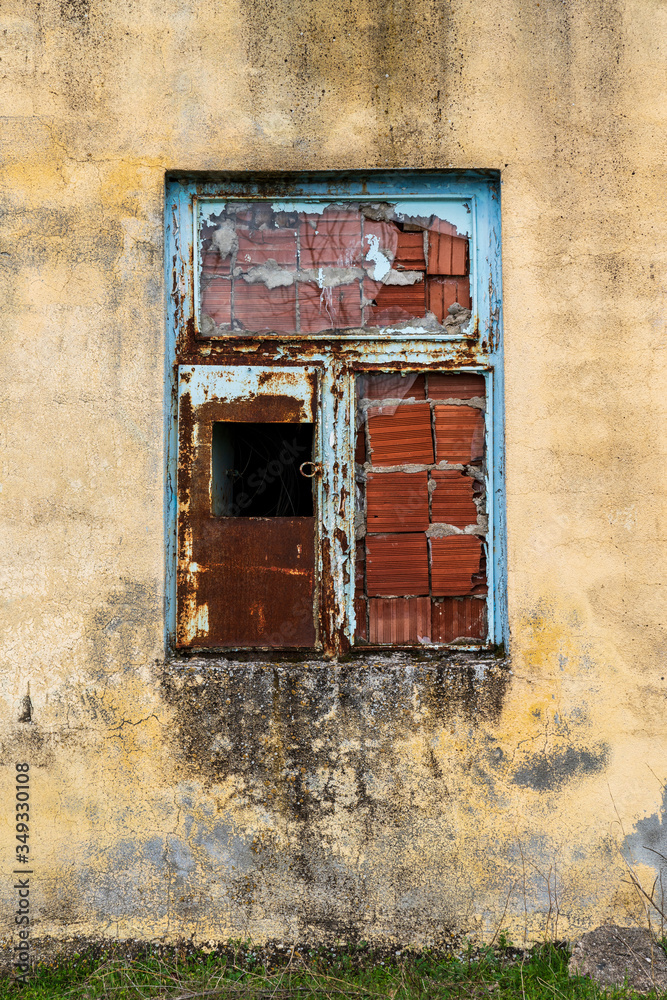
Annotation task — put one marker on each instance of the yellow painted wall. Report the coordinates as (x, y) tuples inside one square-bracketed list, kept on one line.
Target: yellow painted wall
[(406, 801)]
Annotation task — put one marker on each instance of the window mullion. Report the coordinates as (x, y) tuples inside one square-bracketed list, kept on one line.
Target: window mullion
[(336, 548)]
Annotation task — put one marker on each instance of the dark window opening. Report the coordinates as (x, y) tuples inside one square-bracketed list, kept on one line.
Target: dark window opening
[(255, 470)]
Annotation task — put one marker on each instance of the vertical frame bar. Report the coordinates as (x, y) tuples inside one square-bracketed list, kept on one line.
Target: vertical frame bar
[(337, 506), (178, 305)]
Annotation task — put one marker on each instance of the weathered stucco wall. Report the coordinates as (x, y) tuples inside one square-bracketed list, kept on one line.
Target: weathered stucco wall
[(384, 798)]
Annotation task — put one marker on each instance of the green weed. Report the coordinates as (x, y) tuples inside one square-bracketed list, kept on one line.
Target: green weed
[(243, 973)]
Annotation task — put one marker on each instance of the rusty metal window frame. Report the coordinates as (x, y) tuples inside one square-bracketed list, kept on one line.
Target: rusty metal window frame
[(339, 357)]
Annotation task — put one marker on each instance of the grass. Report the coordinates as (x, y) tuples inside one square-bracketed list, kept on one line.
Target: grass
[(241, 973)]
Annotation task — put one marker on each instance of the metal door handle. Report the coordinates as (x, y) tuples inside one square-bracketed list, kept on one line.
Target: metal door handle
[(315, 466)]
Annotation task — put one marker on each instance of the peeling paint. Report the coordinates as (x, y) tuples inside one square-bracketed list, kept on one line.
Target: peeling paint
[(382, 261)]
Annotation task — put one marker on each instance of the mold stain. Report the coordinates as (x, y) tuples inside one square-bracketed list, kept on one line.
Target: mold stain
[(307, 740), (316, 763), (551, 770)]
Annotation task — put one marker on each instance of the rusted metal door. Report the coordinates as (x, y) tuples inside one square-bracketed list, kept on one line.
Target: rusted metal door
[(247, 506)]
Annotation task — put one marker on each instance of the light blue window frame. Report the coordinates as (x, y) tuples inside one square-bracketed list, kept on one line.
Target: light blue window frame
[(478, 194)]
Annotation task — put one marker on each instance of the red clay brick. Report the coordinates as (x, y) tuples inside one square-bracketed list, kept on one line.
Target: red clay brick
[(360, 446), (401, 434), (455, 385), (410, 251), (458, 618), (437, 225), (454, 561), (396, 565), (213, 264), (244, 218), (256, 246), (399, 620), (394, 303), (451, 501), (361, 611), (397, 501), (360, 569), (217, 300), (441, 293), (391, 385), (329, 308), (459, 434), (479, 583), (261, 309), (447, 254), (333, 241)]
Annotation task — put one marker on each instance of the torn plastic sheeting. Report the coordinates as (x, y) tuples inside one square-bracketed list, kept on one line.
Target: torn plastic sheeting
[(328, 245), (394, 386), (325, 308), (446, 385)]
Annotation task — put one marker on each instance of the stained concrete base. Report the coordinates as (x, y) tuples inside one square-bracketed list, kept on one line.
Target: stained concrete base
[(613, 955)]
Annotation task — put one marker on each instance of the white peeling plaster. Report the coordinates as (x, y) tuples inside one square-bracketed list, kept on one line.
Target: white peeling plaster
[(270, 274), (311, 207), (224, 239), (380, 259), (332, 277), (454, 210), (274, 276)]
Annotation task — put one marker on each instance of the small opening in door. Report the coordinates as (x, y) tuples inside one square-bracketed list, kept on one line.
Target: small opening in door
[(255, 470)]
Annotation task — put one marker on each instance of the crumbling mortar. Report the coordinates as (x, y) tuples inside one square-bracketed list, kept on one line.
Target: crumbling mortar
[(477, 402), (416, 467)]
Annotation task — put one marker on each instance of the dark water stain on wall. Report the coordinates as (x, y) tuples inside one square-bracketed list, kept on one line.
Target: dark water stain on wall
[(28, 742), (395, 57), (277, 724), (550, 770), (336, 769), (75, 11), (120, 627)]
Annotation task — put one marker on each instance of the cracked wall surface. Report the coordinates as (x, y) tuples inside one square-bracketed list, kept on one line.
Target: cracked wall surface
[(393, 799)]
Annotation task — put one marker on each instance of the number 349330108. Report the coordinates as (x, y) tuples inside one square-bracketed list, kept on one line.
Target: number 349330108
[(22, 812)]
